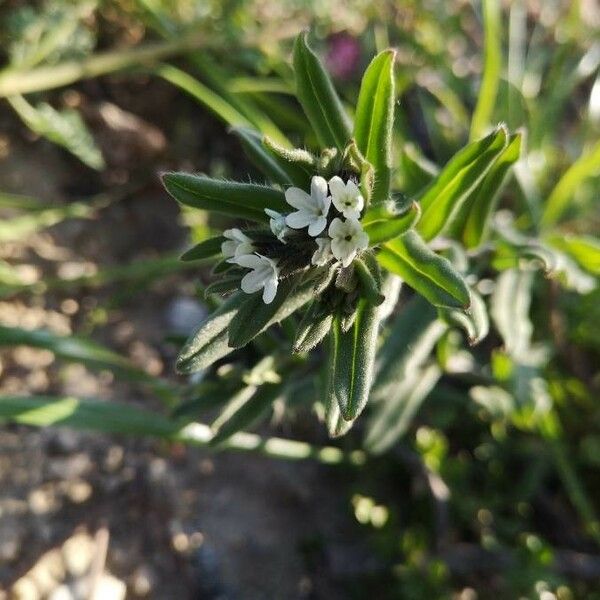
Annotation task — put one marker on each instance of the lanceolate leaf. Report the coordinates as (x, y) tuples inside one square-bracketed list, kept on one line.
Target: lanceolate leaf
[(354, 359), (210, 341), (483, 201), (204, 249), (318, 98), (299, 164), (239, 200), (374, 119), (416, 171), (313, 328), (441, 202), (429, 274), (584, 249), (384, 227), (254, 316)]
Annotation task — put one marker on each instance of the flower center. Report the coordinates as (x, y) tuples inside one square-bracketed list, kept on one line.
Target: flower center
[(348, 238)]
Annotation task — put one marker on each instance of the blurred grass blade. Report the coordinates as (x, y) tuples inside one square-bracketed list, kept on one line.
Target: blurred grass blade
[(80, 350), (95, 415), (209, 342), (392, 418), (319, 99), (429, 274), (492, 68), (244, 410), (14, 82), (584, 249), (587, 165), (443, 199), (510, 311), (374, 120), (65, 128), (205, 249), (238, 200), (484, 199)]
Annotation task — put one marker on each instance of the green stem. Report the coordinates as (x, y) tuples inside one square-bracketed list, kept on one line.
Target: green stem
[(15, 81)]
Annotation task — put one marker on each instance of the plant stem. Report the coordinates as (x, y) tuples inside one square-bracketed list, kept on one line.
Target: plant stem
[(15, 81)]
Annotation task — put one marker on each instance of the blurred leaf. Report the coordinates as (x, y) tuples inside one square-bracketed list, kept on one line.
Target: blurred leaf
[(587, 165), (415, 171), (510, 311), (319, 99), (238, 200), (243, 410), (492, 67), (584, 249), (460, 177), (475, 322), (205, 249), (374, 120), (429, 274), (391, 419), (65, 128), (407, 346)]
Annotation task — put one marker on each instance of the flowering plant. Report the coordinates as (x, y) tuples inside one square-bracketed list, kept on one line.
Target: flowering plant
[(329, 246)]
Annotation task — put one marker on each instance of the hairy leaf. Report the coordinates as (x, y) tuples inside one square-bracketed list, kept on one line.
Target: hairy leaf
[(205, 249)]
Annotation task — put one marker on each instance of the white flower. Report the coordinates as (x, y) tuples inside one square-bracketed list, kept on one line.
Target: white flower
[(322, 254), (237, 244), (277, 224), (347, 238), (346, 197), (263, 275), (312, 210)]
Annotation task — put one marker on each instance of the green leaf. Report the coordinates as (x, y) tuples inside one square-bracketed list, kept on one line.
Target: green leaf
[(392, 418), (239, 200), (260, 156), (209, 342), (105, 416), (483, 201), (368, 273), (441, 202), (492, 67), (510, 311), (243, 410), (318, 98), (385, 225), (429, 274), (254, 316), (300, 165), (475, 323), (374, 120), (353, 360), (587, 165), (65, 128), (313, 328), (407, 346), (205, 249), (584, 249), (416, 172)]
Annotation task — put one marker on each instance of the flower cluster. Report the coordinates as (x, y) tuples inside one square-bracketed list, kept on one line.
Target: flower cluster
[(330, 213)]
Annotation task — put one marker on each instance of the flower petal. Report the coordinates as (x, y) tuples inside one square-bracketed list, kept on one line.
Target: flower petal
[(299, 219), (270, 290), (337, 228), (253, 281), (318, 189), (317, 226), (249, 261), (337, 188), (299, 199)]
